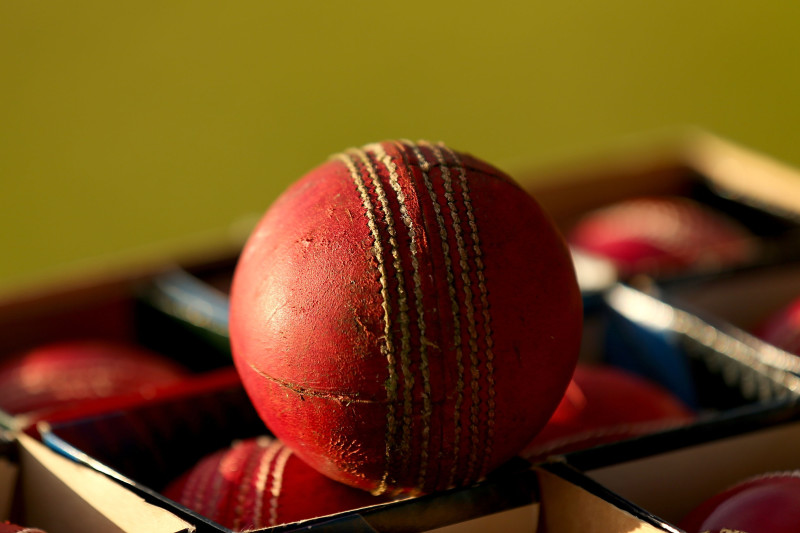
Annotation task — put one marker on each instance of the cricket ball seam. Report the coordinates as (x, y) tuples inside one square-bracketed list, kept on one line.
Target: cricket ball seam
[(424, 366), (277, 484), (248, 471), (388, 345), (268, 454), (405, 341), (402, 319), (484, 297), (464, 263), (464, 231), (425, 166)]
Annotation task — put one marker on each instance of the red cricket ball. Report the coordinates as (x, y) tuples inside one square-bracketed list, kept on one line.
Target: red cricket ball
[(782, 329), (8, 527), (769, 503), (405, 317), (663, 236), (259, 483), (64, 372), (605, 404)]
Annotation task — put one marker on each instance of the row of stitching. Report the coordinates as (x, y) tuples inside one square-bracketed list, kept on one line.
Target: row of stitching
[(424, 367), (403, 318), (464, 263), (248, 471), (425, 166), (277, 484), (388, 348), (484, 298), (470, 293), (269, 449)]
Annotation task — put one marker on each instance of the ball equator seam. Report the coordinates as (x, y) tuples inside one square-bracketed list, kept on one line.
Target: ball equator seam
[(424, 165), (486, 315), (397, 254), (462, 236)]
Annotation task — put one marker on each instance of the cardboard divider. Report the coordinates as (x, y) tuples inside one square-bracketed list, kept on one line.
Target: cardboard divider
[(738, 302), (40, 488), (651, 482), (573, 503), (671, 483), (61, 495), (697, 337)]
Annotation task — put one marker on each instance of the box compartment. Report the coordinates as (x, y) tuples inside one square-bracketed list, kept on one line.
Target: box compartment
[(752, 188), (147, 446)]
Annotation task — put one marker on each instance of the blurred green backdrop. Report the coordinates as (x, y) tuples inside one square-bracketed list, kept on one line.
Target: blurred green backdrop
[(126, 125)]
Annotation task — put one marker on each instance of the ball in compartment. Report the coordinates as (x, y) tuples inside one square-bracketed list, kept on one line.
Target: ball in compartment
[(767, 503), (259, 483), (663, 236), (405, 317), (72, 371), (605, 404)]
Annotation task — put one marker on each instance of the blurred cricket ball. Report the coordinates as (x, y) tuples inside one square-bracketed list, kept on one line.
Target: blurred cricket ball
[(8, 527), (604, 404), (64, 372), (769, 503), (259, 483), (405, 317), (782, 329), (663, 236)]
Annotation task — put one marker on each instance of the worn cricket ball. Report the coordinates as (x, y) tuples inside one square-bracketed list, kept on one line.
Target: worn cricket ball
[(768, 503), (405, 317), (258, 483), (782, 328), (68, 372), (605, 404), (663, 236)]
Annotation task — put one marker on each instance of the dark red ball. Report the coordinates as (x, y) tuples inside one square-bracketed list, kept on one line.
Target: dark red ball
[(663, 236), (69, 372), (405, 317), (769, 503), (259, 483), (605, 404), (782, 328), (8, 527)]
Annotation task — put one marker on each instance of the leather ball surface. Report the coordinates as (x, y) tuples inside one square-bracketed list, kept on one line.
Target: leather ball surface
[(258, 483), (768, 503), (605, 404), (66, 372), (663, 236), (405, 317)]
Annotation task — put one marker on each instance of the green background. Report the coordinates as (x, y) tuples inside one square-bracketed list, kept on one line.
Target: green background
[(127, 127)]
